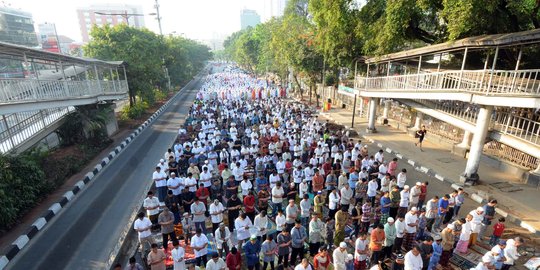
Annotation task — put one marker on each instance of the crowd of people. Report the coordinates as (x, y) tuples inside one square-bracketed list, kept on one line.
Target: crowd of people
[(272, 186)]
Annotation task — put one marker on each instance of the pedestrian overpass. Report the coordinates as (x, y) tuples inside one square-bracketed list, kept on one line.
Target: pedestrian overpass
[(487, 86), (38, 88)]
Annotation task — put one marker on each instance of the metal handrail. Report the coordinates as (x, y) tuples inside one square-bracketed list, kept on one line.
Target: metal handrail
[(32, 90), (497, 82), (26, 125)]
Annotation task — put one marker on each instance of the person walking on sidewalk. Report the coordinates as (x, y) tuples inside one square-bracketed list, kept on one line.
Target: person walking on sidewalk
[(420, 135)]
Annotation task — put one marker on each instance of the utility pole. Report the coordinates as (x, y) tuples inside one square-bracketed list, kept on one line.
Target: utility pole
[(165, 69), (158, 17)]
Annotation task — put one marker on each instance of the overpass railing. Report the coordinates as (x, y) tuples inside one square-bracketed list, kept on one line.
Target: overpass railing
[(498, 82), (32, 90), (16, 128)]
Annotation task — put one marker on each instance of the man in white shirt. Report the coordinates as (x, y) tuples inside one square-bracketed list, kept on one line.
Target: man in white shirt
[(402, 178), (216, 263), (404, 199), (346, 196), (411, 223), (292, 212), (177, 255), (379, 157), (511, 253), (261, 223), (400, 233), (414, 194), (280, 166), (223, 239), (175, 184), (274, 179), (199, 242), (340, 257), (246, 186), (372, 190), (277, 198), (304, 265), (205, 178), (242, 225), (143, 225), (476, 223), (216, 214), (151, 204), (160, 179), (413, 259), (361, 250), (334, 200)]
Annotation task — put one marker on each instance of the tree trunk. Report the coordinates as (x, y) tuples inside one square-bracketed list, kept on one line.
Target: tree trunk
[(299, 87), (310, 91)]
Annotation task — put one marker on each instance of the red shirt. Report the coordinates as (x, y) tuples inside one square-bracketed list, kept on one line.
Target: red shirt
[(327, 167), (202, 193), (249, 203), (498, 229), (233, 261)]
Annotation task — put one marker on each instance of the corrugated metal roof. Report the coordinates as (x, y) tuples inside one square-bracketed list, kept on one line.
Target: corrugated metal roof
[(18, 50), (484, 41)]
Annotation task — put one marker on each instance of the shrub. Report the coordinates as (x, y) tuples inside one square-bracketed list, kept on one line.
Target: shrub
[(135, 111), (160, 95), (21, 187)]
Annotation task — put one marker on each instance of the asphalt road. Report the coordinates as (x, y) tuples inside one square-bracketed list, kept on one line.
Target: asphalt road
[(84, 234)]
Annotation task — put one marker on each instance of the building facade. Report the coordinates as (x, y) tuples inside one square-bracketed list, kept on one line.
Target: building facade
[(249, 18), (48, 37), (17, 27), (108, 14)]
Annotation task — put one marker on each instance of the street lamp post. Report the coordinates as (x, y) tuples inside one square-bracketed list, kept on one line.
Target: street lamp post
[(165, 69), (124, 15)]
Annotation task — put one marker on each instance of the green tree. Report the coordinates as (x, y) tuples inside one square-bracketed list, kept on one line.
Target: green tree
[(140, 48), (335, 22)]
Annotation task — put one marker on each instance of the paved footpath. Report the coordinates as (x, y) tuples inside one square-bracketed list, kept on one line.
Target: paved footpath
[(519, 207)]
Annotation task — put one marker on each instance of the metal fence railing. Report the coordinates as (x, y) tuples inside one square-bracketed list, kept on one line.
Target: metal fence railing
[(497, 82), (33, 90), (512, 155), (16, 128)]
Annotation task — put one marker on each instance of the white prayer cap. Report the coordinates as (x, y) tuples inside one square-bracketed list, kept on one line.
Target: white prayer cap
[(343, 245), (418, 183), (480, 209), (390, 220), (414, 209), (406, 187)]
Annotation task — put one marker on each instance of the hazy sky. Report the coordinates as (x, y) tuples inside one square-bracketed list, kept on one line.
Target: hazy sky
[(197, 19)]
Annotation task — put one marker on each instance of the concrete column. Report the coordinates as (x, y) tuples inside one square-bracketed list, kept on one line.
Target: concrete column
[(477, 144), (462, 148), (418, 120), (537, 171), (386, 109), (372, 115), (466, 142)]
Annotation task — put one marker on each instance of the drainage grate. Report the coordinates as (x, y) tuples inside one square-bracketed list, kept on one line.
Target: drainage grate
[(505, 187), (446, 160)]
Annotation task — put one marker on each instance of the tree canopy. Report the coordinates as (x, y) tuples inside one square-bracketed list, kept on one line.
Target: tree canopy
[(146, 54), (341, 31)]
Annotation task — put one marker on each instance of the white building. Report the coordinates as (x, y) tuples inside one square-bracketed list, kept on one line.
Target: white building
[(112, 14)]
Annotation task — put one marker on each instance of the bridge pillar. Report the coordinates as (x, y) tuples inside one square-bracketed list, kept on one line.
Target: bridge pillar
[(418, 120), (386, 109), (462, 148), (372, 115), (478, 140)]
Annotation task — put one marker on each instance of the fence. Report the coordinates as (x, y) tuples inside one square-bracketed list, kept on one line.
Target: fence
[(16, 128), (512, 155)]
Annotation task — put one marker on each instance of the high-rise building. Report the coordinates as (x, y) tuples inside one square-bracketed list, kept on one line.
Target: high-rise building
[(108, 14), (17, 27), (249, 18), (278, 7), (48, 37)]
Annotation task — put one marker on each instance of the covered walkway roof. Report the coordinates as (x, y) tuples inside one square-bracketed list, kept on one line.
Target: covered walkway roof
[(20, 51), (484, 41)]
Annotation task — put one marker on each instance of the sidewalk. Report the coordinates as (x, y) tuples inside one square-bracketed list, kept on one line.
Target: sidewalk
[(520, 207)]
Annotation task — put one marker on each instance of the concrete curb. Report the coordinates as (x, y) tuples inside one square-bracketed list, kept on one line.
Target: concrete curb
[(470, 191), (46, 217)]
